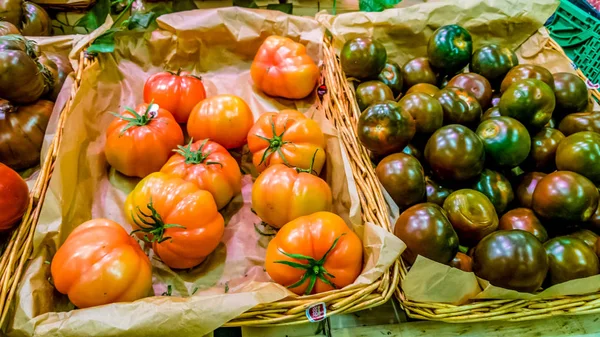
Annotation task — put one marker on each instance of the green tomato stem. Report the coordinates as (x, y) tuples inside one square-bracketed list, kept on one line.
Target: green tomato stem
[(152, 224)]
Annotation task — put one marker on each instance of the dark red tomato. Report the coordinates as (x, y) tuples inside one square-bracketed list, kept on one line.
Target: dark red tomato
[(403, 178), (450, 48), (426, 231), (526, 187), (7, 28), (511, 259), (496, 98), (496, 187), (35, 20), (11, 11), (472, 215), (21, 81), (425, 88), (543, 150), (463, 262), (527, 71), (371, 92), (14, 197), (493, 62), (385, 128), (436, 193), (571, 93), (569, 259), (580, 152), (60, 67), (529, 101), (491, 112), (523, 219), (506, 141), (363, 58), (414, 151), (416, 71), (460, 107), (426, 110), (582, 121), (476, 85), (455, 153), (391, 75)]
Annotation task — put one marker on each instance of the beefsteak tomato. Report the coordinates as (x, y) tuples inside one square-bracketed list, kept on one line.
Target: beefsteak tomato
[(314, 253), (100, 263), (140, 141), (14, 197), (282, 68), (179, 219)]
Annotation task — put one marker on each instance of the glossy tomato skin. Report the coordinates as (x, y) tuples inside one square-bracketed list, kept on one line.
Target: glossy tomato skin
[(418, 71), (209, 166), (403, 178), (491, 112), (20, 78), (425, 88), (496, 98), (570, 258), (512, 259), (580, 152), (7, 28), (212, 116), (526, 187), (35, 20), (455, 153), (414, 151), (296, 136), (100, 263), (14, 197), (586, 236), (281, 194), (543, 150), (371, 92), (529, 101), (391, 75), (565, 195), (523, 219), (363, 58), (450, 48), (177, 93), (472, 215), (463, 262), (282, 68), (476, 85), (496, 187), (460, 106), (179, 202), (435, 192), (426, 231), (313, 235), (60, 67), (571, 93), (581, 121), (493, 62), (527, 71), (426, 110), (140, 150), (507, 142), (385, 128)]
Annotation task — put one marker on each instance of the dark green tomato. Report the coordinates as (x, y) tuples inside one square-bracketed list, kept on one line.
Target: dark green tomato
[(460, 107), (491, 112), (570, 258), (472, 215), (527, 71), (463, 262), (426, 111), (476, 85), (385, 128), (586, 236), (493, 62), (512, 259), (582, 121), (565, 195), (426, 231), (371, 92), (496, 98), (593, 223), (543, 150), (526, 187), (436, 193), (443, 81), (571, 93), (496, 187), (529, 101), (580, 152), (412, 150), (363, 58), (551, 123), (391, 75), (523, 219), (506, 141), (455, 153), (403, 178), (416, 71), (450, 48), (425, 88)]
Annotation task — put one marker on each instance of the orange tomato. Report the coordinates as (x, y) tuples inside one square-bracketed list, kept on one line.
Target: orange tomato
[(224, 119), (100, 263), (177, 93), (282, 68), (140, 141), (14, 197), (180, 219), (210, 167), (314, 253), (281, 194), (287, 137)]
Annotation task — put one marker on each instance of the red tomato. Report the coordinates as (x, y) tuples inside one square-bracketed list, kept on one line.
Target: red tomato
[(177, 93), (14, 197)]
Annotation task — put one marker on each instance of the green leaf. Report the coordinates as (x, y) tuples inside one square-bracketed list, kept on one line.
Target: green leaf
[(376, 5), (183, 5), (95, 17), (141, 20), (245, 3), (104, 43), (286, 8)]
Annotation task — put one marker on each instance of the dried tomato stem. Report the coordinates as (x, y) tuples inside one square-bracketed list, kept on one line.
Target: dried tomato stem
[(152, 224), (195, 157)]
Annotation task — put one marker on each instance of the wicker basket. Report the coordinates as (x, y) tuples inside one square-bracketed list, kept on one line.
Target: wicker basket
[(483, 310)]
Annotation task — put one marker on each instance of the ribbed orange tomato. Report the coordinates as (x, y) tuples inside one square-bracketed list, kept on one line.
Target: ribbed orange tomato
[(180, 219), (210, 167), (282, 68), (314, 253), (287, 137), (100, 263), (14, 197)]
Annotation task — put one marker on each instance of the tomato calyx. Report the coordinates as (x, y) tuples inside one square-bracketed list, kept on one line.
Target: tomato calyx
[(310, 169), (178, 73), (138, 120), (195, 157), (275, 144), (152, 224), (314, 269)]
